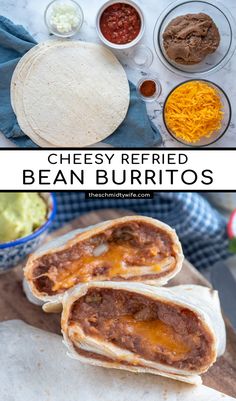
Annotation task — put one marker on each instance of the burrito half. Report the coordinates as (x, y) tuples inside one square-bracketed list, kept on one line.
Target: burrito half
[(127, 249), (177, 332)]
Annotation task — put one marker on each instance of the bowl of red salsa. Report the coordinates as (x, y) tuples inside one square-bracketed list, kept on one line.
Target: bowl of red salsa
[(120, 24)]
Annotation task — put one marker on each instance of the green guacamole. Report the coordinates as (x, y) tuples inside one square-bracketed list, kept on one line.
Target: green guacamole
[(20, 214)]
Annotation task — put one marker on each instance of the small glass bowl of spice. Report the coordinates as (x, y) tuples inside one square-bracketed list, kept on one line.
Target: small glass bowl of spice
[(149, 89), (63, 18)]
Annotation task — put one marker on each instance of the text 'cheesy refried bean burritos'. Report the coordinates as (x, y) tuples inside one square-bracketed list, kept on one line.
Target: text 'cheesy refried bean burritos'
[(132, 248), (176, 333)]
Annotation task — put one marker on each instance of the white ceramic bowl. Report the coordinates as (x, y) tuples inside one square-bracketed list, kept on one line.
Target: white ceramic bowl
[(114, 45)]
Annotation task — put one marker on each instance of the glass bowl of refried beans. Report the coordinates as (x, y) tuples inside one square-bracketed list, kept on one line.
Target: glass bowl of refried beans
[(195, 38)]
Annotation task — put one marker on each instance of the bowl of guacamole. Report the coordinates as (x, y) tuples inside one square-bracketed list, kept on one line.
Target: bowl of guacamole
[(25, 218)]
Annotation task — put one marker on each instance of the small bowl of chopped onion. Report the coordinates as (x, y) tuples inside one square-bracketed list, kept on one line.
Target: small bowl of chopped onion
[(63, 18)]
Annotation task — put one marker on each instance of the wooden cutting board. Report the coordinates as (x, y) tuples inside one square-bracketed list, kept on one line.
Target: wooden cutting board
[(14, 305)]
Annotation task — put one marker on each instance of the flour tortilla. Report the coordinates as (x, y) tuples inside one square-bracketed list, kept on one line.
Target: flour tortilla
[(201, 300), (72, 93), (34, 366), (17, 87), (22, 68)]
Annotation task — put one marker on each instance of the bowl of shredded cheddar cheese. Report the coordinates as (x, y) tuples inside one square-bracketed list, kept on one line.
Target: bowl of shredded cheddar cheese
[(197, 113)]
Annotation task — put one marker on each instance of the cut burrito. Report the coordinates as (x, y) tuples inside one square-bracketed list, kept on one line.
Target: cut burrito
[(176, 333), (132, 248)]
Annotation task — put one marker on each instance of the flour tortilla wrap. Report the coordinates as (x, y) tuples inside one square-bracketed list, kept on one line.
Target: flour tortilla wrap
[(17, 85), (34, 366), (177, 333), (69, 93), (132, 248)]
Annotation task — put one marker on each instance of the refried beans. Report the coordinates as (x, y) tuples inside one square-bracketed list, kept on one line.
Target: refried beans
[(157, 331), (130, 247)]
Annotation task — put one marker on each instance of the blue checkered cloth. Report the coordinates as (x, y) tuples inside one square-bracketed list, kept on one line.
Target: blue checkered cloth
[(200, 227)]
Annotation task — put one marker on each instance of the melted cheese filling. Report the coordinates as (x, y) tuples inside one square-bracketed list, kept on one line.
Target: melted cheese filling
[(116, 262), (156, 333)]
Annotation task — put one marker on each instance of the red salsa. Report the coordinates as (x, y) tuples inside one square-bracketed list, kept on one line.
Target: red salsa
[(120, 23)]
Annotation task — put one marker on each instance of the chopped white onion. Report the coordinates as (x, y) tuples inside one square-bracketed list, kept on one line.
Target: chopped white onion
[(100, 249), (65, 18)]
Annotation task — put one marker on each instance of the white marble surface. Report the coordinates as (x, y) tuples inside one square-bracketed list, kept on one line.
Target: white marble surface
[(30, 14)]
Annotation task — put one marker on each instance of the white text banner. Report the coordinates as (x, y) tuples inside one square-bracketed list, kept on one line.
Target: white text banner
[(108, 169)]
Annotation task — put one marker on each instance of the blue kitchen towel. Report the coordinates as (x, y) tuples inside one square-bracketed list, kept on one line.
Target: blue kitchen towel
[(14, 43), (136, 130), (201, 228)]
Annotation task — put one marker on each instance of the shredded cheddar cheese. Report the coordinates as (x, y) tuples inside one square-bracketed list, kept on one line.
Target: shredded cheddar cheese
[(193, 111)]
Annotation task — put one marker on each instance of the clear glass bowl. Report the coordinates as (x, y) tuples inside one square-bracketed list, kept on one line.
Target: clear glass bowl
[(141, 57), (156, 95), (217, 134), (49, 12), (223, 20)]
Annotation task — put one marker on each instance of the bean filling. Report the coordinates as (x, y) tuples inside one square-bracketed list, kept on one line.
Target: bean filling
[(154, 330), (129, 251)]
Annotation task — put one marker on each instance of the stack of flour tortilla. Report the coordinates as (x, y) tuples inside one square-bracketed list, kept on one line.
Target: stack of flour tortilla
[(69, 93)]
